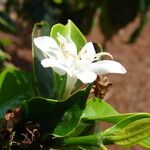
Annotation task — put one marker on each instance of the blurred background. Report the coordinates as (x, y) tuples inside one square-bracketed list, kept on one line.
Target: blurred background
[(122, 27)]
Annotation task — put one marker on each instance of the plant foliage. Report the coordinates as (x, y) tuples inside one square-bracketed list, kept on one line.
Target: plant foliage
[(67, 123)]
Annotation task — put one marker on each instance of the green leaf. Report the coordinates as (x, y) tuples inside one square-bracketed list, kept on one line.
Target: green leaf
[(99, 110), (69, 30), (44, 76), (15, 86), (6, 24), (132, 133), (51, 113), (145, 143), (4, 56), (129, 131), (71, 118), (125, 122), (51, 85), (96, 109), (82, 128)]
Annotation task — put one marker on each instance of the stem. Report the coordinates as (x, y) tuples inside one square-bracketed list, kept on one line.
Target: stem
[(91, 140), (69, 87)]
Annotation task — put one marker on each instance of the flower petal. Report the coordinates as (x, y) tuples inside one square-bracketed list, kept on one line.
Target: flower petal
[(67, 44), (87, 76), (88, 51), (47, 63), (56, 66), (59, 70), (106, 66), (46, 43)]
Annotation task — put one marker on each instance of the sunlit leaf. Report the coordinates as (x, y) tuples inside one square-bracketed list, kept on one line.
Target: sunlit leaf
[(132, 132), (145, 143), (96, 109), (69, 30), (99, 110)]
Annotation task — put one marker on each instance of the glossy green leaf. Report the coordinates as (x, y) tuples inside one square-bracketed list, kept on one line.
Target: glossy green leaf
[(70, 122), (51, 85), (51, 113), (44, 76), (69, 30), (125, 122), (71, 118), (99, 110), (132, 133), (145, 143), (96, 109), (129, 131), (15, 86)]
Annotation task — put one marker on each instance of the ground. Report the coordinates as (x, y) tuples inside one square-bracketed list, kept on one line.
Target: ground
[(131, 91)]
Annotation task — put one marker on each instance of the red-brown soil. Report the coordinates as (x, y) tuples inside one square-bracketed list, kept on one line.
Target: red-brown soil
[(131, 92)]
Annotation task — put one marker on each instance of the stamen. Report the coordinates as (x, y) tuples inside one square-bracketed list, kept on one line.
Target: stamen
[(99, 55)]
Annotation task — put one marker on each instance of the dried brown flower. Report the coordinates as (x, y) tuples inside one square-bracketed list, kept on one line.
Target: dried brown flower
[(101, 86), (12, 117)]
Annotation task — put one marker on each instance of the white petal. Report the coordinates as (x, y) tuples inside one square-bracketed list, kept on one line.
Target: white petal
[(87, 76), (67, 44), (88, 51), (106, 66), (59, 68), (71, 47), (47, 63), (46, 43)]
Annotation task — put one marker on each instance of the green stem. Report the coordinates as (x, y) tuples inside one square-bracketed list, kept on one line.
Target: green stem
[(69, 87), (91, 140)]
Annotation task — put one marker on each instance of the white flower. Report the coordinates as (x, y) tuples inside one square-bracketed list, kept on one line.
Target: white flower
[(64, 59)]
